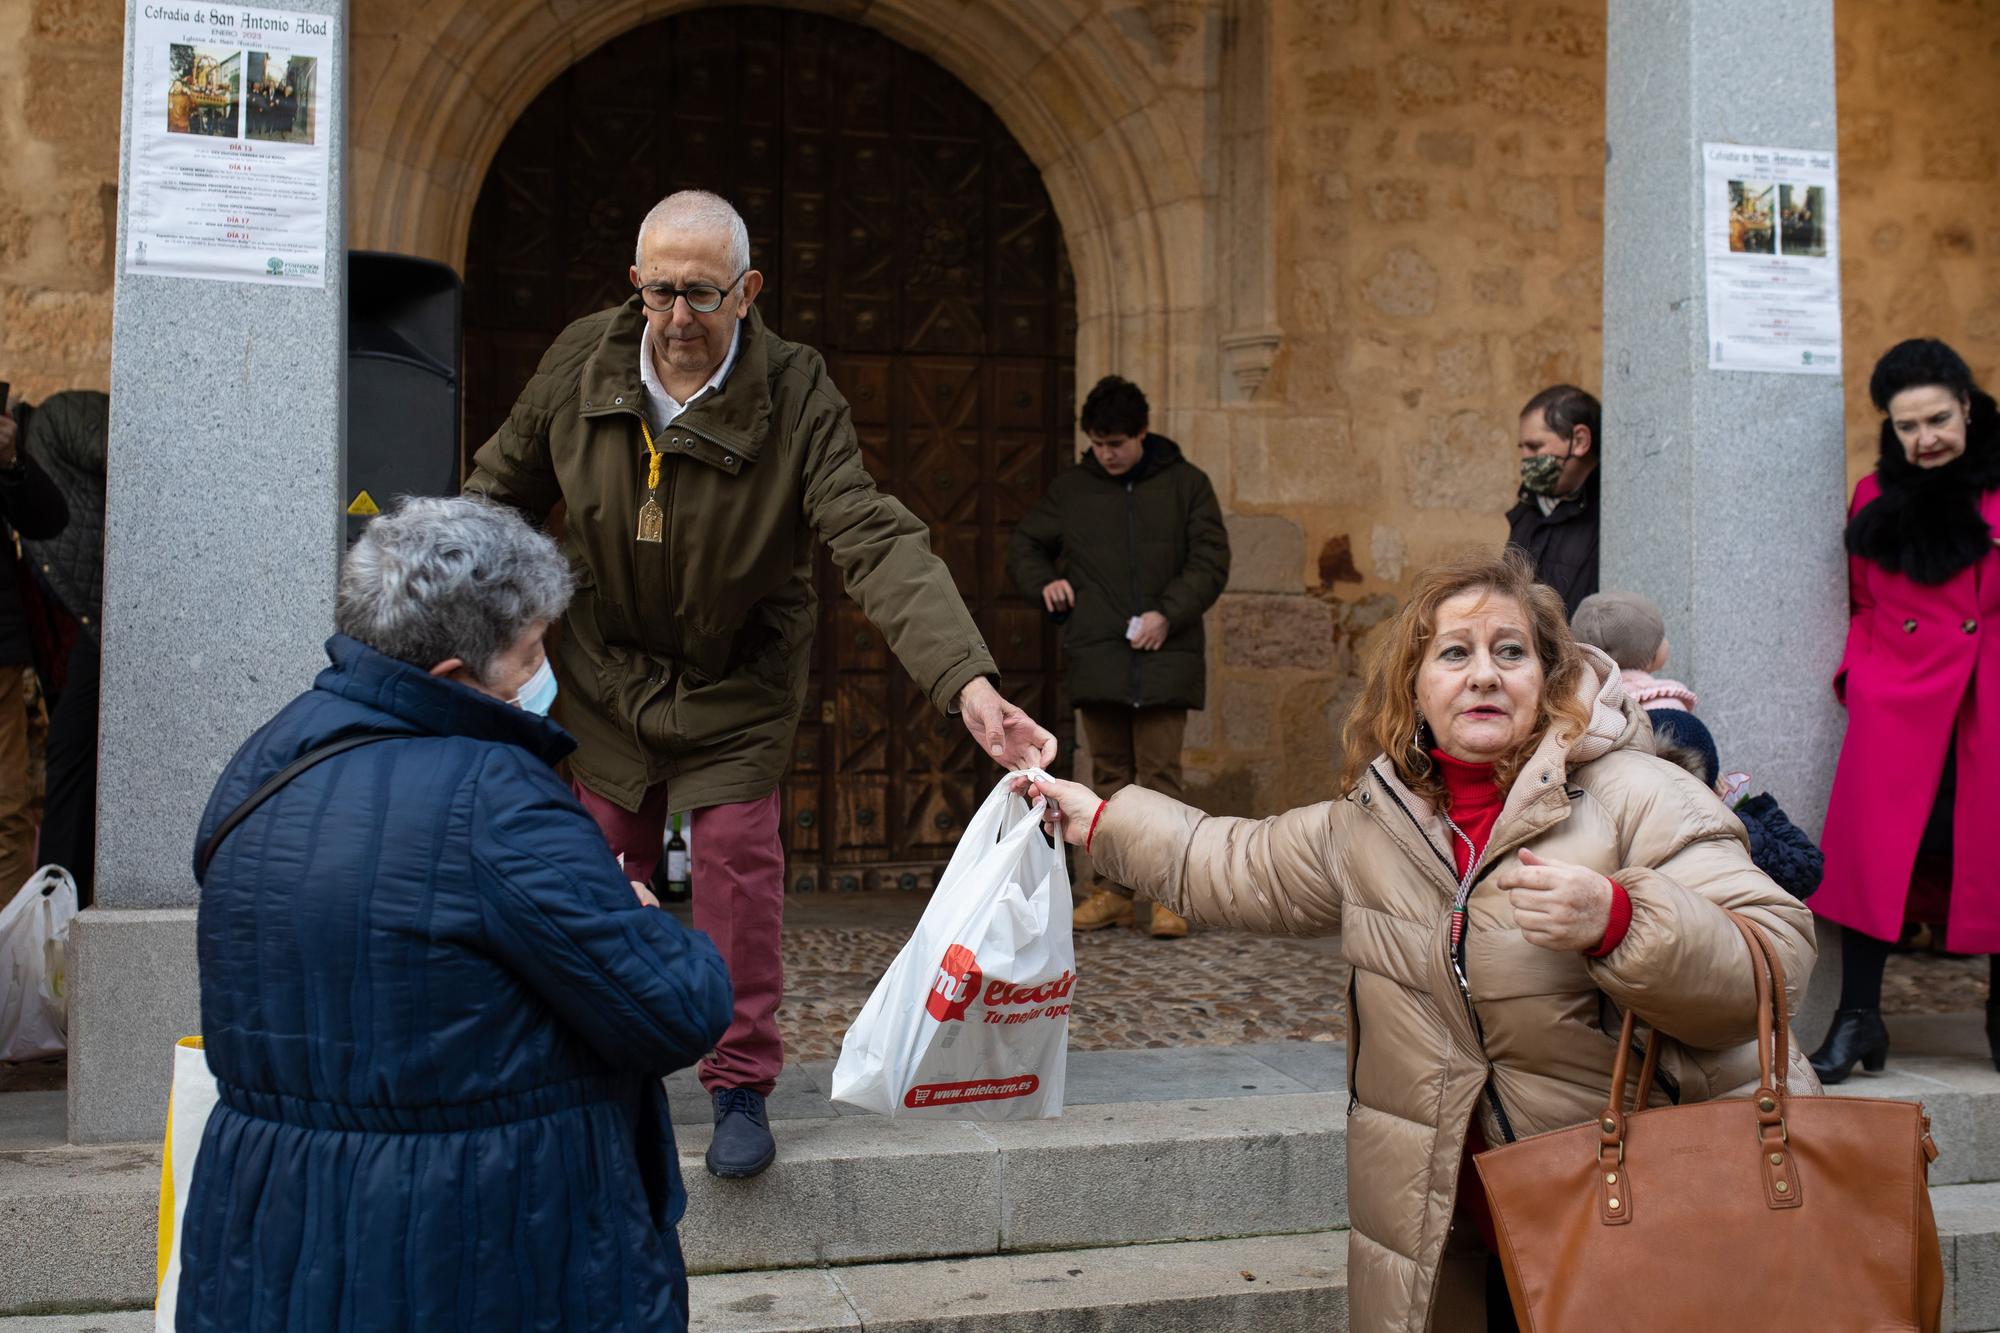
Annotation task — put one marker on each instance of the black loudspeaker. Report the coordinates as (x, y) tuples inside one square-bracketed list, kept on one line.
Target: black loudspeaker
[(404, 319)]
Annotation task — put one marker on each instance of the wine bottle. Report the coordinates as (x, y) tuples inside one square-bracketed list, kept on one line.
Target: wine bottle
[(679, 886)]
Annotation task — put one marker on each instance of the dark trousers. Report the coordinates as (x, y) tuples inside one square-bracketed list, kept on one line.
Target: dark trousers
[(69, 812), (17, 826)]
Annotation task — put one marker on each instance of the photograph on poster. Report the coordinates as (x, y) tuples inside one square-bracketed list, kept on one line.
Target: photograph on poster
[(204, 89), (281, 106), (1802, 221), (1771, 240), (1750, 230)]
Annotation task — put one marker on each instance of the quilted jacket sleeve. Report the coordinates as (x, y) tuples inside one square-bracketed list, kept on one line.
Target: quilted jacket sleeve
[(884, 555), (1682, 966), (72, 429), (1276, 876), (647, 993)]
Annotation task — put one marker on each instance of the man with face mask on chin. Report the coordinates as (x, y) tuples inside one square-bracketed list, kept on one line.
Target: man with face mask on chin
[(703, 459), (1555, 520)]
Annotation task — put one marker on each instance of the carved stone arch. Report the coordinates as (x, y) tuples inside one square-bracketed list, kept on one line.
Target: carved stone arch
[(1082, 98)]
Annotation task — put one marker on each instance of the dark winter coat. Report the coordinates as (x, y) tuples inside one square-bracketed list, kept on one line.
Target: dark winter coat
[(67, 436), (1151, 540), (30, 506), (439, 1018), (688, 659), (1562, 543)]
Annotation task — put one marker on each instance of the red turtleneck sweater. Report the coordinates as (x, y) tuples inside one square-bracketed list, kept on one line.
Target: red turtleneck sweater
[(1475, 807)]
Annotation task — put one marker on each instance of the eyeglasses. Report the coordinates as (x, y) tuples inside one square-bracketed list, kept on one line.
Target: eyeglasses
[(703, 298)]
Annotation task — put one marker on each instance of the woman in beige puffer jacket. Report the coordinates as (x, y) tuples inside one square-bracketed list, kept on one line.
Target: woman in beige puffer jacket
[(1598, 875)]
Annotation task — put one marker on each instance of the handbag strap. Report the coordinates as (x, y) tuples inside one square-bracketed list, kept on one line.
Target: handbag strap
[(284, 775), (1773, 1027), (1774, 1135)]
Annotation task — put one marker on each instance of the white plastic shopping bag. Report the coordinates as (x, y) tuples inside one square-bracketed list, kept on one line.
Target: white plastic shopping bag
[(34, 932), (971, 1021), (188, 1107)]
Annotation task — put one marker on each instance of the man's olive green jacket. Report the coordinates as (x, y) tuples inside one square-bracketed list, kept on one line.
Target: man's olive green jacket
[(687, 661)]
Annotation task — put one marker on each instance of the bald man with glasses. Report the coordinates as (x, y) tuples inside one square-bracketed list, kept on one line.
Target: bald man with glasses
[(702, 459)]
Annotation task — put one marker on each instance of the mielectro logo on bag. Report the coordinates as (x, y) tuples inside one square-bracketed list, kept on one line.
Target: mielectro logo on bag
[(955, 986), (972, 1090)]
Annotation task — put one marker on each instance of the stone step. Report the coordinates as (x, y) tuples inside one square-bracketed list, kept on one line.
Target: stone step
[(1251, 1284), (863, 1190), (845, 1191), (1248, 1283), (857, 1190)]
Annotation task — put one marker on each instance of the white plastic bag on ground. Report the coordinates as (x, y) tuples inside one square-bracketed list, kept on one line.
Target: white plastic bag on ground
[(189, 1105), (34, 930), (971, 1022)]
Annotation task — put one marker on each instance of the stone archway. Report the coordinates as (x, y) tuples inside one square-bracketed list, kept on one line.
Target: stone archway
[(904, 234), (1082, 96)]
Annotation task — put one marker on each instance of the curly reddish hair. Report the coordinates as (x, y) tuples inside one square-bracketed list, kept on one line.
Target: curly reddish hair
[(1385, 720)]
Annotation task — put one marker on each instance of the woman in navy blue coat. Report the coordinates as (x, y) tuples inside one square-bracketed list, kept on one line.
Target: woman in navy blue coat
[(437, 1010)]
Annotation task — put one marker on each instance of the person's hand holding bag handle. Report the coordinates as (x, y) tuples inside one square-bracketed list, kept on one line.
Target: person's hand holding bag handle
[(1070, 807)]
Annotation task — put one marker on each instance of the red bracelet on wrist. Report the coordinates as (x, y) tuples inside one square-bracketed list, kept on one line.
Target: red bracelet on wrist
[(1093, 825)]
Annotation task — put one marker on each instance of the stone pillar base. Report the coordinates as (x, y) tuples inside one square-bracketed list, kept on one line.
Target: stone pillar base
[(1815, 1013), (134, 991)]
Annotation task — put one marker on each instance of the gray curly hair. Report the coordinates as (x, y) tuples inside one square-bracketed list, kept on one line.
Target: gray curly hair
[(433, 579)]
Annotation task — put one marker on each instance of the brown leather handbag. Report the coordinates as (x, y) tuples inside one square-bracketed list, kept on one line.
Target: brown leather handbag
[(1769, 1211)]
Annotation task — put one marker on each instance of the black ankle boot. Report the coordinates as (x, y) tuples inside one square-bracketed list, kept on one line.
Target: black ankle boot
[(1993, 1029), (1857, 1034)]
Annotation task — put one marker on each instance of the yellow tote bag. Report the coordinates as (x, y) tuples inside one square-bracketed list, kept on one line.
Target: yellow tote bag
[(188, 1107)]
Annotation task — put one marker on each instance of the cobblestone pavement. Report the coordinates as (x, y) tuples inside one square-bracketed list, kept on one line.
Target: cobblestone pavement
[(1934, 983), (1216, 988), (1212, 989)]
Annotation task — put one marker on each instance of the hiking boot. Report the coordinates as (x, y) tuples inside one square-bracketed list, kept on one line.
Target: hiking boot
[(1101, 909), (1167, 924)]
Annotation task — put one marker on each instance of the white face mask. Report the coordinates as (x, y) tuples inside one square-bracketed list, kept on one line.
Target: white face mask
[(539, 694)]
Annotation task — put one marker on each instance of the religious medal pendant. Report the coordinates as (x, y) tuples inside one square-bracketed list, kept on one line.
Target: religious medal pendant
[(652, 521)]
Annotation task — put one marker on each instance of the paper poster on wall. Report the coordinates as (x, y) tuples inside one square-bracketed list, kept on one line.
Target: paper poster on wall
[(1772, 225), (228, 177)]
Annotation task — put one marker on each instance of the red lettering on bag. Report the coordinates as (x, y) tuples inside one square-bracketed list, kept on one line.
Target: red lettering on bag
[(1001, 993), (957, 981), (972, 1090)]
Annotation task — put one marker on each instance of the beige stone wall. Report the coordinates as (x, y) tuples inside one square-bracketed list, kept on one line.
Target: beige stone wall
[(60, 66), (1919, 90), (1438, 205)]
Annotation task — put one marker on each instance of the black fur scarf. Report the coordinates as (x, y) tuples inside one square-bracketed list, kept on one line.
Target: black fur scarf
[(1925, 524)]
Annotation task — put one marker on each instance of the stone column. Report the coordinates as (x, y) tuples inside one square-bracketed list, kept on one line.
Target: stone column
[(1724, 492), (222, 535)]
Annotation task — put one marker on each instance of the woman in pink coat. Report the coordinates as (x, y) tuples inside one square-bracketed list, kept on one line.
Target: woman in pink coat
[(1920, 767)]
